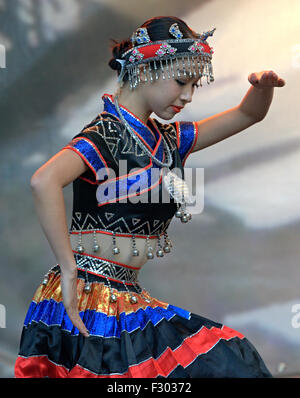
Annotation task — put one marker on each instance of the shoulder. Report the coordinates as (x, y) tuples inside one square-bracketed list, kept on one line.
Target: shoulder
[(183, 133), (104, 125), (167, 129)]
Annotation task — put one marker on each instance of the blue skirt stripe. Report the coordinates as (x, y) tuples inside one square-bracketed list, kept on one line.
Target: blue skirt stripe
[(53, 313)]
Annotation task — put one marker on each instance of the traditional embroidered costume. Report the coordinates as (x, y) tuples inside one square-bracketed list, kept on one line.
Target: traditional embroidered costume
[(132, 334)]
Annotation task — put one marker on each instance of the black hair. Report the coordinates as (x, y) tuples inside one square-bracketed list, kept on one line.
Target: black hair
[(158, 29)]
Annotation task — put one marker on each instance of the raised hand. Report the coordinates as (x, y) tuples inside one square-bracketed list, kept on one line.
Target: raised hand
[(265, 79)]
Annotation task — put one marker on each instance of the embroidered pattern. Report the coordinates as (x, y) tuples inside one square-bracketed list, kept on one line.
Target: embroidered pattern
[(110, 222), (106, 268)]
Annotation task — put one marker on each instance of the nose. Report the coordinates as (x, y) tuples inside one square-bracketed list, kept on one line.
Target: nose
[(187, 94)]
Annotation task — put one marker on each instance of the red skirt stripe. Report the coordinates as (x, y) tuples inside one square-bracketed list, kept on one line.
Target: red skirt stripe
[(39, 366), (200, 343)]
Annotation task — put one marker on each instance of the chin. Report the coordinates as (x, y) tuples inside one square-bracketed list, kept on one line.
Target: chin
[(165, 115)]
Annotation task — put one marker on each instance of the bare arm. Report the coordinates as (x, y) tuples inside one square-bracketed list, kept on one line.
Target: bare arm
[(47, 187), (252, 109), (50, 207)]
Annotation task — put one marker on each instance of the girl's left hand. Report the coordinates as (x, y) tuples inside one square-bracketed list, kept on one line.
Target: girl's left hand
[(265, 79)]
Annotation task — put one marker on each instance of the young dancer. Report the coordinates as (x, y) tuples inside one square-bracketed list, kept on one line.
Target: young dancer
[(90, 316)]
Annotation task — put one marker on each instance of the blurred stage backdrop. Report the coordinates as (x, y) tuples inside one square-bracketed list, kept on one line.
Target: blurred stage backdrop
[(237, 262)]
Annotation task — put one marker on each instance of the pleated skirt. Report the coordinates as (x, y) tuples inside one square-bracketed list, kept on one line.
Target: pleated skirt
[(146, 339)]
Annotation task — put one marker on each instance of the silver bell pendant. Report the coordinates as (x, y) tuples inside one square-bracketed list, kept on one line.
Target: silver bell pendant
[(80, 249), (160, 253), (87, 287), (116, 250), (167, 249), (186, 217), (135, 252), (96, 247), (133, 299), (150, 254), (113, 298), (178, 214)]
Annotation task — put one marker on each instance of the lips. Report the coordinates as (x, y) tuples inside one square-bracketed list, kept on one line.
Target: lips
[(177, 108)]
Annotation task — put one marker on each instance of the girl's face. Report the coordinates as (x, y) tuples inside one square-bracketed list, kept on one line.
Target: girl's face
[(163, 93)]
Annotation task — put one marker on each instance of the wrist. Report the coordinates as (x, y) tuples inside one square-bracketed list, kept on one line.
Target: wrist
[(68, 268)]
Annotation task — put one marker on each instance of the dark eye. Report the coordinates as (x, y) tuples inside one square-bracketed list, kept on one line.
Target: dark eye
[(182, 84)]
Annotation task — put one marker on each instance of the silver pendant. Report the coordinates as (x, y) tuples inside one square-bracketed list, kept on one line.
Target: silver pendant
[(177, 187)]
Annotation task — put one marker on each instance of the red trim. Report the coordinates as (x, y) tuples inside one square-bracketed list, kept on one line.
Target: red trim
[(177, 125), (69, 146), (117, 234), (193, 346), (149, 50), (196, 135)]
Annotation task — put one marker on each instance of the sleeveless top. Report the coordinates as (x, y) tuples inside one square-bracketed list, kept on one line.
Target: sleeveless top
[(123, 191)]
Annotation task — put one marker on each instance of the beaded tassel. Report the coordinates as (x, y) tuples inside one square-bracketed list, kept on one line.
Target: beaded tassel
[(135, 251), (133, 299), (183, 63), (167, 243), (150, 254), (80, 247), (159, 252), (115, 249), (167, 67), (177, 67), (87, 286), (162, 69), (150, 72), (189, 66), (96, 247), (194, 66), (145, 73), (172, 67), (113, 297), (140, 292), (155, 68)]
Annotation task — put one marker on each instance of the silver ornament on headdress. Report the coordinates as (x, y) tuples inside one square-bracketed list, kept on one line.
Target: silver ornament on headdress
[(194, 56)]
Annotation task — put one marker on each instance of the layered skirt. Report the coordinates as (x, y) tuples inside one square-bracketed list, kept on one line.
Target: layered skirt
[(132, 335)]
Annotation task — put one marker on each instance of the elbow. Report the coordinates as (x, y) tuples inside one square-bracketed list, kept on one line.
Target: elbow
[(36, 180)]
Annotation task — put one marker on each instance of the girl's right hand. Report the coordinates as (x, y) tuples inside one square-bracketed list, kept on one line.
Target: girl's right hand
[(70, 300)]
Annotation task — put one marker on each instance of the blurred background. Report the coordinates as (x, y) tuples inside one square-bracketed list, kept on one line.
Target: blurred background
[(237, 261)]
